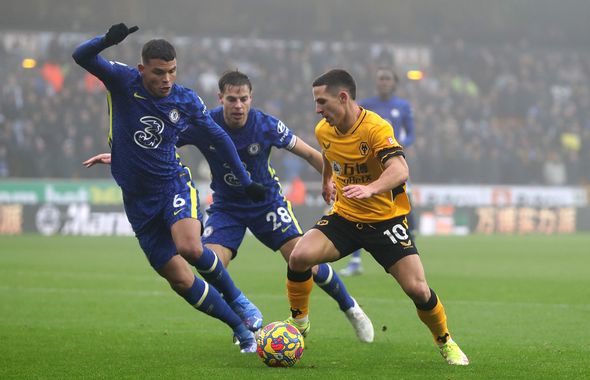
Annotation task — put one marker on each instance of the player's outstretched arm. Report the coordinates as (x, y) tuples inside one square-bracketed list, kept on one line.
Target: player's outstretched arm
[(197, 137), (86, 55), (118, 33), (103, 158), (309, 154), (226, 148)]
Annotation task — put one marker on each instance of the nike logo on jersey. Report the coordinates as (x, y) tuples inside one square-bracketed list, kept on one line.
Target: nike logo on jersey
[(136, 95), (327, 146), (285, 229), (178, 211), (406, 245)]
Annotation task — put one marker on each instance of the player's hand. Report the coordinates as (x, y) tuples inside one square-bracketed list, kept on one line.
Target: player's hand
[(118, 32), (103, 158), (329, 192), (357, 192), (256, 192)]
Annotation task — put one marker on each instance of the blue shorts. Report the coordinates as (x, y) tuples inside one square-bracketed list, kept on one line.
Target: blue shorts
[(273, 225), (152, 216)]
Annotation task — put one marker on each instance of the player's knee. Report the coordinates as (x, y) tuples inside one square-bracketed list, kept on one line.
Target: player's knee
[(418, 291), (298, 261), (190, 250), (180, 287), (181, 284)]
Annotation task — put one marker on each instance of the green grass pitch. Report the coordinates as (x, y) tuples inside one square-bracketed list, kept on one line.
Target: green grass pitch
[(92, 308)]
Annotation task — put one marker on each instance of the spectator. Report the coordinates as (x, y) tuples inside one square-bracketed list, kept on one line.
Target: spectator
[(485, 114)]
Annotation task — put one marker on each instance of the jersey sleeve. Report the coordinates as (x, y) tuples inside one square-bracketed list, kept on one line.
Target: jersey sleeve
[(87, 56), (384, 143), (219, 139), (193, 135), (280, 135)]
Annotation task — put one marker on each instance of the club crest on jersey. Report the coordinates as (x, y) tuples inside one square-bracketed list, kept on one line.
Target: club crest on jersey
[(151, 136), (174, 115), (336, 167), (253, 149), (364, 148), (232, 180), (207, 231)]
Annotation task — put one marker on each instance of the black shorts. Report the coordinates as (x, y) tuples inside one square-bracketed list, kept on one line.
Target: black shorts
[(387, 241)]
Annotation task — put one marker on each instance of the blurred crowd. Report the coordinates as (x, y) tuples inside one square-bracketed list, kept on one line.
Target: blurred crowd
[(508, 114)]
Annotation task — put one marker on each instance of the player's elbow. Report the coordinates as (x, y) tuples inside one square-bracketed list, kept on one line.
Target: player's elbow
[(80, 56), (77, 56), (403, 174)]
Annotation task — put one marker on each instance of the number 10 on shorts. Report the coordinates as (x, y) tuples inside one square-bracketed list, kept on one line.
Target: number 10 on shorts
[(397, 232)]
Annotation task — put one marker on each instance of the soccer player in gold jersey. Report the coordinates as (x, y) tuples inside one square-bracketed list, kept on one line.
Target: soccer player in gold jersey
[(366, 164)]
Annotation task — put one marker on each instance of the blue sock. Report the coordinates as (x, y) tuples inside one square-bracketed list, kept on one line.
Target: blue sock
[(241, 331), (208, 300), (356, 256), (214, 273), (330, 283)]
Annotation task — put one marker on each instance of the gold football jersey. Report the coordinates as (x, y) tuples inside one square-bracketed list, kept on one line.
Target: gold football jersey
[(357, 157)]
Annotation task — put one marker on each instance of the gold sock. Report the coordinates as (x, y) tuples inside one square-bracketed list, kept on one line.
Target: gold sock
[(298, 293), (436, 320)]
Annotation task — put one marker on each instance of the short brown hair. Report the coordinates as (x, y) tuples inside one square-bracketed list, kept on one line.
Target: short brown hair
[(336, 79), (233, 78)]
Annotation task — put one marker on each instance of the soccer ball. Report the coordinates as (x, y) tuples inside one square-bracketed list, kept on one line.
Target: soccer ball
[(279, 345)]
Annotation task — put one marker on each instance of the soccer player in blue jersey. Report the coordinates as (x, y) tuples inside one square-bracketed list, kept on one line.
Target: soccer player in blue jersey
[(147, 113), (254, 134), (398, 112)]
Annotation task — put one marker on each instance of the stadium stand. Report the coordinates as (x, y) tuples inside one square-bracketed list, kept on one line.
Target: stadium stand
[(502, 114)]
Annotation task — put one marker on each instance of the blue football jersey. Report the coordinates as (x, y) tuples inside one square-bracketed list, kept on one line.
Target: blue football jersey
[(398, 112), (253, 142), (144, 129)]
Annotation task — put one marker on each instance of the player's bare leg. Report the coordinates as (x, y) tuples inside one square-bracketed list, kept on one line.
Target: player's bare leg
[(327, 279), (409, 273), (313, 248)]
